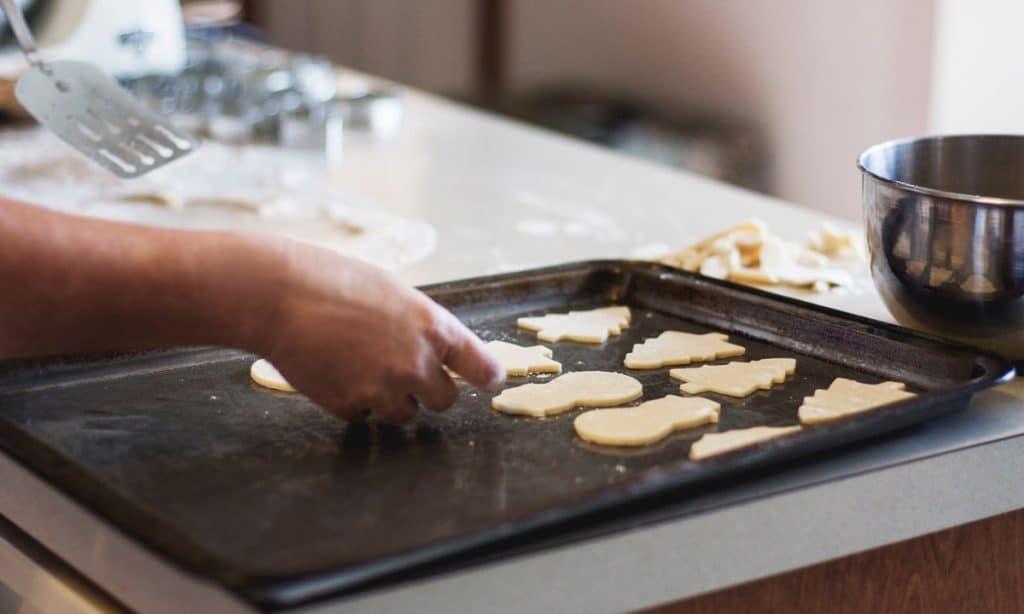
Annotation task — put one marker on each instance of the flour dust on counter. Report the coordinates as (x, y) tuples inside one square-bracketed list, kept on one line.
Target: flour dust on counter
[(251, 188)]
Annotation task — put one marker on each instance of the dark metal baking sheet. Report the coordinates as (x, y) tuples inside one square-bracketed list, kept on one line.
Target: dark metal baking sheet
[(262, 492)]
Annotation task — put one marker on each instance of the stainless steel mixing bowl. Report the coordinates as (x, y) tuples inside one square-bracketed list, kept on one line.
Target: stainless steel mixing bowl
[(945, 232)]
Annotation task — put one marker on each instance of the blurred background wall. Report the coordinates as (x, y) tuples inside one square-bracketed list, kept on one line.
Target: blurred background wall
[(823, 80), (430, 45), (976, 80), (788, 91)]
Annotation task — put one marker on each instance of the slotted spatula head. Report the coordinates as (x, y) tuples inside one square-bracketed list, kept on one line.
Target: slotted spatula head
[(88, 109)]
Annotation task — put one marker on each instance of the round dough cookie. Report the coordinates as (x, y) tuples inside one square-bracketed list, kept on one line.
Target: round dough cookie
[(736, 379), (674, 347), (580, 389), (266, 375)]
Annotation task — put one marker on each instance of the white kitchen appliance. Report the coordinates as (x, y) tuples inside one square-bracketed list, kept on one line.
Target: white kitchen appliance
[(125, 38)]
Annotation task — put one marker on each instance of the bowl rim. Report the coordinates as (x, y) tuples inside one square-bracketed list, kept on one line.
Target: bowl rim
[(976, 199)]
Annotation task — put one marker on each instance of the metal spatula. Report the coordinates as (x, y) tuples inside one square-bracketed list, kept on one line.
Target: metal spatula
[(88, 110)]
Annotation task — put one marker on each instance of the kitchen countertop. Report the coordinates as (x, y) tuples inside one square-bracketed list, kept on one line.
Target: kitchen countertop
[(503, 197)]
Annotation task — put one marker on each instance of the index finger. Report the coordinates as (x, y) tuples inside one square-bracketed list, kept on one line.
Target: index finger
[(469, 357)]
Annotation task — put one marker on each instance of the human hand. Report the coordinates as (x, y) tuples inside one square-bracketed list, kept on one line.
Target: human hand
[(353, 338)]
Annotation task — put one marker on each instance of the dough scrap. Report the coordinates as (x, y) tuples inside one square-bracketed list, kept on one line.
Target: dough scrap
[(846, 396), (583, 388), (746, 237), (748, 253), (519, 360), (787, 263), (713, 444), (736, 379), (678, 348), (267, 375), (835, 243), (646, 423), (591, 326)]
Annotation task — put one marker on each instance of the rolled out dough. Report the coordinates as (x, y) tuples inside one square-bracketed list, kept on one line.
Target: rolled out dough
[(846, 396), (267, 375), (253, 188), (736, 379), (580, 389), (674, 347), (713, 444), (593, 326), (645, 423)]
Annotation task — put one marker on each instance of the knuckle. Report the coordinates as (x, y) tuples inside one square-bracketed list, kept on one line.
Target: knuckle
[(404, 373), (441, 394), (435, 325), (348, 403)]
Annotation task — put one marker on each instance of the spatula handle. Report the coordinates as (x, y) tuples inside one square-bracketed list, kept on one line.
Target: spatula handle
[(25, 39)]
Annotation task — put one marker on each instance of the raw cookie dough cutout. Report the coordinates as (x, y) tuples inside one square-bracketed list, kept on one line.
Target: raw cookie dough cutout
[(714, 444), (674, 347), (267, 375), (846, 396), (646, 423), (736, 379), (593, 326), (749, 253), (519, 360), (835, 243), (580, 389)]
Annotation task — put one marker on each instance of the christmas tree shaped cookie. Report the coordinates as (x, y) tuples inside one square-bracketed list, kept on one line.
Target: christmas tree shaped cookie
[(846, 396), (736, 379), (593, 326), (678, 348)]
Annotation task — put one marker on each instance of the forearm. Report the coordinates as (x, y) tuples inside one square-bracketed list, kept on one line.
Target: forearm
[(78, 285), (348, 335)]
